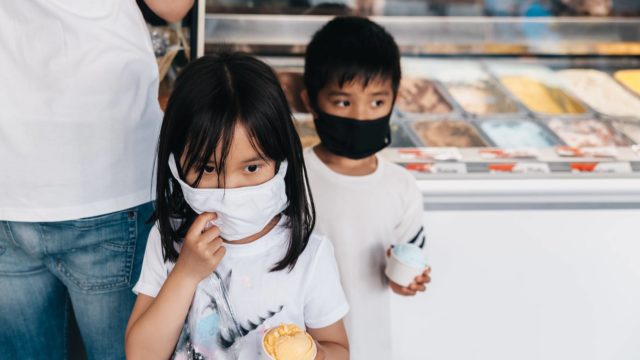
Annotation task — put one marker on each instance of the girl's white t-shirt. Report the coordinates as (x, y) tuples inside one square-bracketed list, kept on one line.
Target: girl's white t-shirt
[(233, 308), (364, 216), (79, 115)]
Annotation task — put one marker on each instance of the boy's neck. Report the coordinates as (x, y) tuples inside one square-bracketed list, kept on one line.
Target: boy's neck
[(344, 165)]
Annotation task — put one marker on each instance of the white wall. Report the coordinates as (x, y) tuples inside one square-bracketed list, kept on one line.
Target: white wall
[(526, 285)]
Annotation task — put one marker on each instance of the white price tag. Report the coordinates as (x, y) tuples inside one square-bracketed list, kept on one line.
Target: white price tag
[(521, 168), (613, 168), (437, 168), (449, 168), (531, 168)]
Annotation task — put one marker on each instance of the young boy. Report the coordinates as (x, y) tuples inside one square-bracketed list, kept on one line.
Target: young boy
[(364, 203)]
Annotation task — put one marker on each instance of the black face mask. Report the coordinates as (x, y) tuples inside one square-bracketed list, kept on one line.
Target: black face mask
[(355, 139)]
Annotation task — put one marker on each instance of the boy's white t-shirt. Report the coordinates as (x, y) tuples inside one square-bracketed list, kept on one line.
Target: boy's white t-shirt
[(364, 216), (234, 307)]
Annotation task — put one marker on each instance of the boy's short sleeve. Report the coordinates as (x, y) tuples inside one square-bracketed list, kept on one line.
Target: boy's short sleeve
[(325, 301), (410, 228), (154, 272)]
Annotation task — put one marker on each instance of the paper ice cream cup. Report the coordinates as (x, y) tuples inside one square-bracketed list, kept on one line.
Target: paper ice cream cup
[(404, 271), (266, 355)]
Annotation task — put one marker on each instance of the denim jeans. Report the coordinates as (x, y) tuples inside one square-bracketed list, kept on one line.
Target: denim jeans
[(92, 263)]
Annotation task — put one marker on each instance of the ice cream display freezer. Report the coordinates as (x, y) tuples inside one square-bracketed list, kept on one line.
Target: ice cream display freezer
[(524, 139)]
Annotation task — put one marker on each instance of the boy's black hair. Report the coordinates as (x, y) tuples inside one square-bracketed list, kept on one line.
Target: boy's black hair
[(211, 96), (347, 48)]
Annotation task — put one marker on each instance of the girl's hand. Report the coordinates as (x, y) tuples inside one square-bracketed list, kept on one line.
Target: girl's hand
[(202, 249)]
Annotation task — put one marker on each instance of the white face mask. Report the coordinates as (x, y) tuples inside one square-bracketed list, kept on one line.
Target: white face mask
[(242, 212)]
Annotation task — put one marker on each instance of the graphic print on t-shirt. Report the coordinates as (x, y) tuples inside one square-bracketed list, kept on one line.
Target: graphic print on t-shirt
[(419, 239), (212, 330)]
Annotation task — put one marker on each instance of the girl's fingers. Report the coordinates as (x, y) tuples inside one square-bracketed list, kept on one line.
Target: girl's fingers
[(199, 224), (214, 245), (219, 254), (210, 234)]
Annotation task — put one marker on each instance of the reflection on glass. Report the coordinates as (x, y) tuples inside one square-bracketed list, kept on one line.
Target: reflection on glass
[(527, 8)]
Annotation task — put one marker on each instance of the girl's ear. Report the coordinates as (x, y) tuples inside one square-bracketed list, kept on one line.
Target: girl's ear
[(304, 95)]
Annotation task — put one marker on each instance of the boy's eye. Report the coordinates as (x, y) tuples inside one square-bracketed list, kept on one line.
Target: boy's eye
[(343, 103), (377, 103), (208, 169), (252, 168)]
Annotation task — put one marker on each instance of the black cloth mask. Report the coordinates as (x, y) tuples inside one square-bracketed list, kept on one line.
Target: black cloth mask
[(355, 139)]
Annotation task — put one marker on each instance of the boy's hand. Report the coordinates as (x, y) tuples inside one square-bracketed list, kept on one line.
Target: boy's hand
[(202, 249), (418, 285)]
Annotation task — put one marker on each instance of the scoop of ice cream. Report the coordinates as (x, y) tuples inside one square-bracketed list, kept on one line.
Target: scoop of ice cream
[(586, 133), (410, 255), (293, 84), (517, 134), (421, 96), (542, 98), (630, 79), (448, 133), (481, 97), (601, 92), (632, 130), (289, 342), (307, 132)]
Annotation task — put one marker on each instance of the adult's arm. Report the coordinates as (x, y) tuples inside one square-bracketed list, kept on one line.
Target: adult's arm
[(170, 10)]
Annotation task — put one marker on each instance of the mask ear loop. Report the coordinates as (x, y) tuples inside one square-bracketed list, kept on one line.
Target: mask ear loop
[(172, 157), (393, 108)]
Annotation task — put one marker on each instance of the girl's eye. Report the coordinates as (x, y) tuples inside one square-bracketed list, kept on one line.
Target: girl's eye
[(343, 103), (208, 169), (252, 168)]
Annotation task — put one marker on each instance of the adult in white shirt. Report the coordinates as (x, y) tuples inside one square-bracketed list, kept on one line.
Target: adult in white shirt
[(79, 119)]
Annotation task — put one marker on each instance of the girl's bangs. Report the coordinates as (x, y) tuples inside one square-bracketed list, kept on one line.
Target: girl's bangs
[(202, 140)]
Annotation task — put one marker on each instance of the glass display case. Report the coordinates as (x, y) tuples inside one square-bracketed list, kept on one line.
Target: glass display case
[(517, 117), (481, 95)]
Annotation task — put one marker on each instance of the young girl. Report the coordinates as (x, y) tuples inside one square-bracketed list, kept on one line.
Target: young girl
[(232, 253)]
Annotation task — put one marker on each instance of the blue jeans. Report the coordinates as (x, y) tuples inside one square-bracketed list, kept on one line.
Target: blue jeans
[(92, 263)]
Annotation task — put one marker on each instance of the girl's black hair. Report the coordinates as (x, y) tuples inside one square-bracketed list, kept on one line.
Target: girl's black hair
[(349, 47), (211, 96)]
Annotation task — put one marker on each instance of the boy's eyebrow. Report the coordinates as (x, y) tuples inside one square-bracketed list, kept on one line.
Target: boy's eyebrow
[(381, 92), (338, 93), (344, 93)]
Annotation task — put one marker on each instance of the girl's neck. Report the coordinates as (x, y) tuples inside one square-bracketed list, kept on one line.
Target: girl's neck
[(344, 165), (257, 236)]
